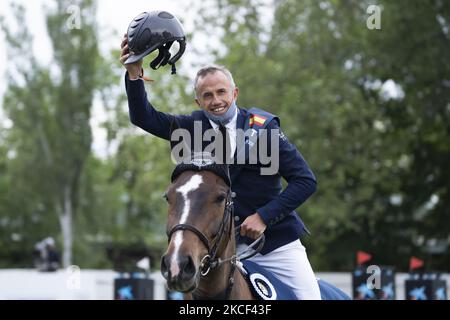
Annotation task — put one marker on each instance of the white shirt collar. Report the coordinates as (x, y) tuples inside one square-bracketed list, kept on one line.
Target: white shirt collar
[(229, 125)]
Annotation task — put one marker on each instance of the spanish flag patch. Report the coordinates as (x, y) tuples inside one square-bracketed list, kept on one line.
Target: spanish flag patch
[(258, 120)]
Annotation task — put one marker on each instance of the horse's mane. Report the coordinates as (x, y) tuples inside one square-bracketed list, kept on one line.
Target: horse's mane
[(203, 162)]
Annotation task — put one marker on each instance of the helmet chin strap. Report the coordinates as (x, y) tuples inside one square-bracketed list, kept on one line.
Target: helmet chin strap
[(225, 118), (164, 56), (180, 52)]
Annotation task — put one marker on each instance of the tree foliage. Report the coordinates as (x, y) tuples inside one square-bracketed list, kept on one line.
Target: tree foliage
[(378, 155), (50, 109)]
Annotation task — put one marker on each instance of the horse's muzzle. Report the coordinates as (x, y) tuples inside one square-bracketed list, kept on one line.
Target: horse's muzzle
[(180, 274)]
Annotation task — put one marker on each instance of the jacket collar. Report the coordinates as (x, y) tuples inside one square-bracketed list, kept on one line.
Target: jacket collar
[(241, 118)]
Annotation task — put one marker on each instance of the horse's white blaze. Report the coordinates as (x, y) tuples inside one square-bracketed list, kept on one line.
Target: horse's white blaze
[(174, 269), (192, 184)]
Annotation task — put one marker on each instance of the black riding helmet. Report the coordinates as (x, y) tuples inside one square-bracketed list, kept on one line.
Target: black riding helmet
[(155, 30)]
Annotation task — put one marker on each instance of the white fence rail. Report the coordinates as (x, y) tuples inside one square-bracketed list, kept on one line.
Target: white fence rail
[(99, 284)]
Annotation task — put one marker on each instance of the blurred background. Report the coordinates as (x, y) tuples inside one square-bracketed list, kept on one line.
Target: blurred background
[(364, 93)]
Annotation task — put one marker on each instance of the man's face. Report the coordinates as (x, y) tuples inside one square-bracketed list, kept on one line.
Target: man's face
[(215, 94)]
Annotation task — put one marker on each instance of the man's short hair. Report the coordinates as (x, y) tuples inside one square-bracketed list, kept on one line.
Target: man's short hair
[(213, 68)]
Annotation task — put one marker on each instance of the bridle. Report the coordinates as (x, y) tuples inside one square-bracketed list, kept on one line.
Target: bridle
[(210, 260)]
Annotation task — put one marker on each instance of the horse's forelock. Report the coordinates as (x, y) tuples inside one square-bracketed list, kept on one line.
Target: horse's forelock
[(220, 170)]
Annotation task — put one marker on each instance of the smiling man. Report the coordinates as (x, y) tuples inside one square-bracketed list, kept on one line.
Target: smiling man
[(261, 205), (216, 93)]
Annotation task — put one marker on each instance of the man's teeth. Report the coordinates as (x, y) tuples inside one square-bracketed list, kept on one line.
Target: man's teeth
[(218, 109)]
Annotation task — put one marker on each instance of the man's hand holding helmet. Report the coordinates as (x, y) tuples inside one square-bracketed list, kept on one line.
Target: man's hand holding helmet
[(134, 69)]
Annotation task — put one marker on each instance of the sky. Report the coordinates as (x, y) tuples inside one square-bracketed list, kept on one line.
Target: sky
[(113, 17)]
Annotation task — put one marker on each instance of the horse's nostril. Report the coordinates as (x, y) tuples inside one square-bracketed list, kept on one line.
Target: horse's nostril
[(188, 268), (165, 267)]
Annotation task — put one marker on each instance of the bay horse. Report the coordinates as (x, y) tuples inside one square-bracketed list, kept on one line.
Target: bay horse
[(200, 260)]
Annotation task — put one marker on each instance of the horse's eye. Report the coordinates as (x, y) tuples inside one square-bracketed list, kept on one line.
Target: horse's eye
[(220, 198), (165, 196)]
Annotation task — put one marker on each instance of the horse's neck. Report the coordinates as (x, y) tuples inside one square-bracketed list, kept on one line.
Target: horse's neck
[(240, 291)]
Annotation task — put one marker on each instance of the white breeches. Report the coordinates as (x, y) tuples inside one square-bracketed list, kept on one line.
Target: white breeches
[(290, 264)]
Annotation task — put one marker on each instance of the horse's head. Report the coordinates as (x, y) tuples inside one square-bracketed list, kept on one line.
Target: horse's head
[(199, 223)]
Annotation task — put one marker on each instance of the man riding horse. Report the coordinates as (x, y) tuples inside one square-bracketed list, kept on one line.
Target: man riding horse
[(260, 203)]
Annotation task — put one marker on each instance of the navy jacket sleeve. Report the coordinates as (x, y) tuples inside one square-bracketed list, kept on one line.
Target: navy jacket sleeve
[(301, 181), (144, 115)]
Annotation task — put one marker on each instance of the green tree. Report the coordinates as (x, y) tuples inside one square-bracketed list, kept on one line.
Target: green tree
[(141, 166), (325, 73), (116, 200), (50, 109), (414, 56)]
